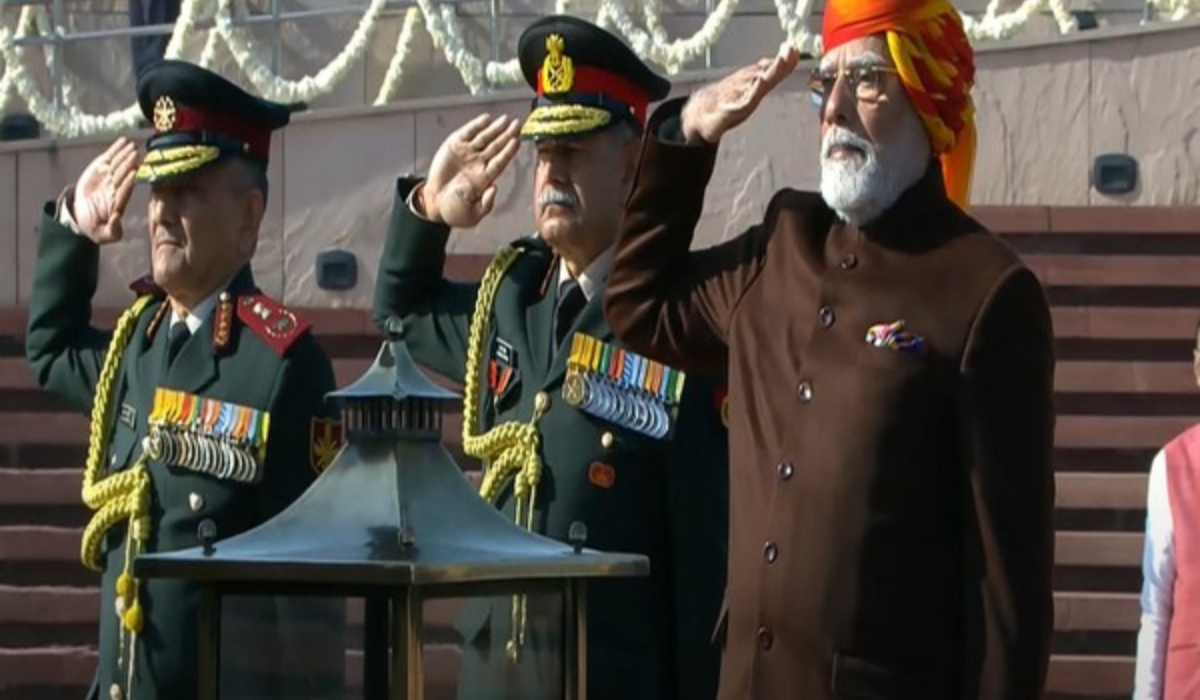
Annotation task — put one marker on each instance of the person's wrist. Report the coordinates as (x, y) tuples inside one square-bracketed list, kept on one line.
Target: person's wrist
[(420, 202), (689, 129)]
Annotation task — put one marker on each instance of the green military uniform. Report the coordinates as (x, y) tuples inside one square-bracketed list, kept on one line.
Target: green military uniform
[(634, 489), (218, 439)]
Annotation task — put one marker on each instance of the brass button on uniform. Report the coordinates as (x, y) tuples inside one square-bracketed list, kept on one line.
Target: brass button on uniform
[(115, 692), (849, 260), (196, 502), (112, 459), (606, 440), (804, 391), (771, 552), (541, 402), (785, 470), (765, 639), (825, 313)]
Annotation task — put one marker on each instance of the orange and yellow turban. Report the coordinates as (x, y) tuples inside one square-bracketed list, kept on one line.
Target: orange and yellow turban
[(936, 65)]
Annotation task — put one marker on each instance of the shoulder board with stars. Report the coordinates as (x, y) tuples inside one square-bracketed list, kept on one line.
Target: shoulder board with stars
[(277, 325), (145, 285)]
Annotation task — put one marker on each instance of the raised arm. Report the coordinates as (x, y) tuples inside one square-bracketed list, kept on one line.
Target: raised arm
[(662, 299), (1007, 417), (411, 283), (63, 349)]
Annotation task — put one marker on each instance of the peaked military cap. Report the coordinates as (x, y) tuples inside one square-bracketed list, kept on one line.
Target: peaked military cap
[(586, 79), (200, 118)]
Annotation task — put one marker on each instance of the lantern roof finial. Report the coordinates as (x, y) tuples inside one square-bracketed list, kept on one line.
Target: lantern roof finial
[(394, 375)]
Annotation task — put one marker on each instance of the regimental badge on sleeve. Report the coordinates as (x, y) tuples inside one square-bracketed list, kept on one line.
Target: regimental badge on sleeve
[(327, 438), (622, 387)]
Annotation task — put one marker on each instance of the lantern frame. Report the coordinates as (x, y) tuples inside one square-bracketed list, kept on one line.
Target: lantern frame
[(416, 530)]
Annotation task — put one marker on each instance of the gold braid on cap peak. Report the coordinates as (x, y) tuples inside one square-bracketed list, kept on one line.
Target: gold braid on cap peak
[(174, 160), (564, 119), (507, 450)]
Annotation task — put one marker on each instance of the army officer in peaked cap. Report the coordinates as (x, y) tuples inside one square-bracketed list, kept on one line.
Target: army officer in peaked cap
[(560, 445), (203, 397)]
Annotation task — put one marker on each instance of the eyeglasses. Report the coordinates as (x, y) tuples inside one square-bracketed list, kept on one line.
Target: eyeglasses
[(866, 82)]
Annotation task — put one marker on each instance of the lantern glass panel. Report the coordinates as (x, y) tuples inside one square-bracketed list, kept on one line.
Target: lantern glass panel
[(539, 659), (312, 647), (283, 648)]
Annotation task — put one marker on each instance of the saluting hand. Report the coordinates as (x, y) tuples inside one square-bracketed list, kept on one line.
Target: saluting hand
[(721, 106), (461, 188), (104, 190)]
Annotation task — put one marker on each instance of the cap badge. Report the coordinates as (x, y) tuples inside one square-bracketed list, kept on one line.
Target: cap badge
[(558, 72), (164, 114)]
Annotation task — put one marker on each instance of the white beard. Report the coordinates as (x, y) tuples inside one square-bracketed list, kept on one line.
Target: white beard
[(861, 187)]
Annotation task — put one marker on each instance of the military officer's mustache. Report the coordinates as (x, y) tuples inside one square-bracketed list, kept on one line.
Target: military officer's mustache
[(552, 196)]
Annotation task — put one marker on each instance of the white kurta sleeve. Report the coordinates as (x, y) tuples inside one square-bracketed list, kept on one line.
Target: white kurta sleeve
[(1158, 582)]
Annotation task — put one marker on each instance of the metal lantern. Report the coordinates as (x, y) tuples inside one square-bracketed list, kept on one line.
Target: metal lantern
[(393, 521)]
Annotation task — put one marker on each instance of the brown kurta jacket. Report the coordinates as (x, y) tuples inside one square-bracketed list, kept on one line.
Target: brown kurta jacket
[(891, 509)]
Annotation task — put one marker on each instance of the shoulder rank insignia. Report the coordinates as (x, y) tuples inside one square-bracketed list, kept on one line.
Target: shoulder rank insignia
[(277, 325), (326, 439), (221, 439), (622, 387), (145, 285)]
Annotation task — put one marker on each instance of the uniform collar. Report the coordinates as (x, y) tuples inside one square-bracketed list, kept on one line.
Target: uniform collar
[(592, 278), (198, 315)]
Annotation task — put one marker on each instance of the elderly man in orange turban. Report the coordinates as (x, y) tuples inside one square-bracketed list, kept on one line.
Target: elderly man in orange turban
[(891, 370)]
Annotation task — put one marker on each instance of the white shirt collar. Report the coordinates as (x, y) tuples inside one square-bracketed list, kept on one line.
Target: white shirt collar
[(198, 315), (591, 279)]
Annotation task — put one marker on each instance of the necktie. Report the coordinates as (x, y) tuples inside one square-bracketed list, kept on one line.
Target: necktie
[(178, 336), (570, 302)]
